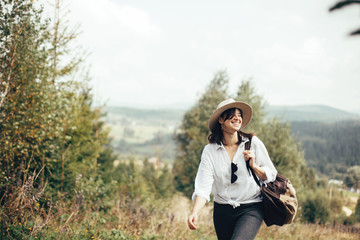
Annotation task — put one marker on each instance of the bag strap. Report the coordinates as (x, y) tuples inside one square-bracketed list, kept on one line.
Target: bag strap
[(247, 147)]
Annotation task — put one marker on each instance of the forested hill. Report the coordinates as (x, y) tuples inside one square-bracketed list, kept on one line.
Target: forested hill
[(330, 148), (313, 113), (153, 116), (330, 137)]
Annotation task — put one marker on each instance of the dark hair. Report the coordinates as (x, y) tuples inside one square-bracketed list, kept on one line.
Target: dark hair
[(217, 136)]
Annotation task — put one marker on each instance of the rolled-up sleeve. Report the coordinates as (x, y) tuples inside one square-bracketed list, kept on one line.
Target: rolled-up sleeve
[(263, 160), (204, 178)]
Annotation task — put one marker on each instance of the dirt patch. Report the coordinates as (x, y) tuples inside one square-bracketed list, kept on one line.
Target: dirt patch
[(182, 206), (347, 211)]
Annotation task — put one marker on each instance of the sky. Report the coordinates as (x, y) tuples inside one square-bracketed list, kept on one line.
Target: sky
[(163, 53)]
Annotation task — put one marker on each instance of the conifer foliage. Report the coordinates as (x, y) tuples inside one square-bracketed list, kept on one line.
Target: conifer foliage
[(51, 136), (193, 132)]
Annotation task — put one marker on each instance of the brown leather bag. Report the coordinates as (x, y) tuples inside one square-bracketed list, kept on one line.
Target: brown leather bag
[(279, 198)]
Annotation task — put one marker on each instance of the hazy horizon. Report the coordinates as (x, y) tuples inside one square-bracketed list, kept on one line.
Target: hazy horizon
[(186, 106)]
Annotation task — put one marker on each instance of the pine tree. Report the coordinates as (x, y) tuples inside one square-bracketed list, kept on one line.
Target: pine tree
[(28, 121), (165, 186), (352, 177), (357, 210), (193, 133), (246, 93), (48, 123)]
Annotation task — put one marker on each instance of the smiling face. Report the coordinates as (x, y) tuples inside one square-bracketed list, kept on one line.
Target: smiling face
[(231, 120)]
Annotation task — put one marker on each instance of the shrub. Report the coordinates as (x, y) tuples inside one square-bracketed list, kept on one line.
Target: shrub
[(316, 207)]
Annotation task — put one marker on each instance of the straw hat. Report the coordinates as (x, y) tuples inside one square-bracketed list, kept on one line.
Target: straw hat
[(227, 104)]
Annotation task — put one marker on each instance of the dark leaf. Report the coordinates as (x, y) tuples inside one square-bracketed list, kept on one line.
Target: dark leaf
[(343, 4)]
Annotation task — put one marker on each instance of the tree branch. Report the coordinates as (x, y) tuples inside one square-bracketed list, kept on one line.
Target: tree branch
[(356, 32), (343, 4)]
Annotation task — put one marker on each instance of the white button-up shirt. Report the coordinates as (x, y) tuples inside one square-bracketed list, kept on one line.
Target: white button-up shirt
[(214, 174)]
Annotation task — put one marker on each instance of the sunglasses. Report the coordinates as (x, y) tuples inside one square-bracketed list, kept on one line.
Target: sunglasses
[(234, 168)]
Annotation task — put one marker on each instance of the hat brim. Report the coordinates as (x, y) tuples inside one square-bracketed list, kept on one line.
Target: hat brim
[(245, 108)]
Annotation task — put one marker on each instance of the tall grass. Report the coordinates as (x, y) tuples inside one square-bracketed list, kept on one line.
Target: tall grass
[(300, 231), (24, 216)]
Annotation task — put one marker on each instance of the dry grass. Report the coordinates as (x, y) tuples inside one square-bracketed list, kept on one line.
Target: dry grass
[(300, 231), (296, 230), (132, 219), (176, 227)]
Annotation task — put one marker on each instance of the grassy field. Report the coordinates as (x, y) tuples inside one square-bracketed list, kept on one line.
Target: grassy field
[(143, 140), (294, 231), (168, 220), (133, 219)]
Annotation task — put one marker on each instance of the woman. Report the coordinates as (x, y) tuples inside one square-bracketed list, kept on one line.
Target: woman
[(223, 172)]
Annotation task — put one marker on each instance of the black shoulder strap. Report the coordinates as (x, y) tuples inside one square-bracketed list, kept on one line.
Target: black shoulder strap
[(247, 147)]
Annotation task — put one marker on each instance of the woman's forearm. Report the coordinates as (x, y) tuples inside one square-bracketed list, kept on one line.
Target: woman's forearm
[(259, 172), (199, 203)]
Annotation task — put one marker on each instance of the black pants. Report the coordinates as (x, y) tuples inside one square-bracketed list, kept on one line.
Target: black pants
[(240, 223)]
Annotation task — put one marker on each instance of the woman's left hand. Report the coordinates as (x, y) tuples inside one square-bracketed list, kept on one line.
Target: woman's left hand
[(249, 156)]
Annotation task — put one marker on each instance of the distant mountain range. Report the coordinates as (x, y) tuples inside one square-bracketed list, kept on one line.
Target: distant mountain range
[(313, 113), (151, 116)]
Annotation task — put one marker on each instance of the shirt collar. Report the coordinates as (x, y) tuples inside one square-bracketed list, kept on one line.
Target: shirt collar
[(220, 146), (244, 140)]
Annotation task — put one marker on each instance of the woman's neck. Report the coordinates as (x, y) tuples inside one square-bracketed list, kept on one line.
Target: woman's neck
[(230, 139)]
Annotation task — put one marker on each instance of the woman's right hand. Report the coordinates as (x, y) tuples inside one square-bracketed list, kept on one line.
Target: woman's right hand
[(192, 221), (199, 203)]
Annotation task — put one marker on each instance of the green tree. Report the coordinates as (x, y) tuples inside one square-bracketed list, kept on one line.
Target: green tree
[(29, 102), (193, 132), (131, 184), (316, 208), (84, 140), (246, 93), (158, 179), (357, 211), (330, 148), (165, 186), (149, 174), (352, 177), (285, 152), (50, 133)]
